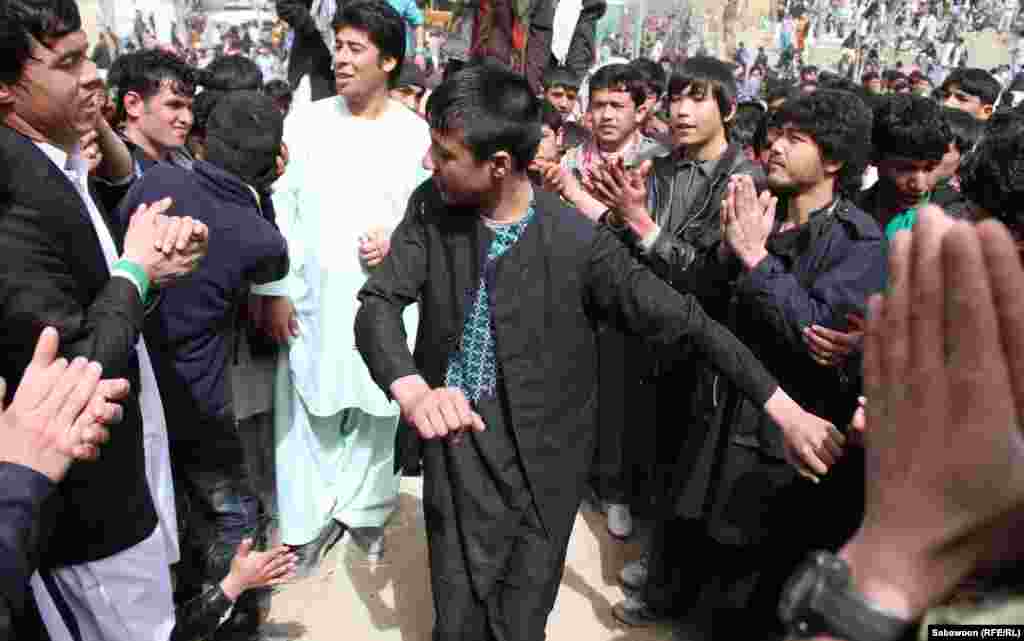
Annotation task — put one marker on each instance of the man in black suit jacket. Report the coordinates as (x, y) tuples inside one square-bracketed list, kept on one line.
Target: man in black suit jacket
[(515, 333), (310, 55), (59, 267)]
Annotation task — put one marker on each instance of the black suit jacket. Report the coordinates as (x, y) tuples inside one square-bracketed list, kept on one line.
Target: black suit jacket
[(53, 272), (309, 54), (560, 279)]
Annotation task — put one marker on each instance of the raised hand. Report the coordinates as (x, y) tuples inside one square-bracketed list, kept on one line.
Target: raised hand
[(747, 220)]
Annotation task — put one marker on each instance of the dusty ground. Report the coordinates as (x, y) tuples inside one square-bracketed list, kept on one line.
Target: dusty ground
[(353, 599)]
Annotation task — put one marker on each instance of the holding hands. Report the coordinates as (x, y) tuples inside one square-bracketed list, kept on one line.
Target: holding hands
[(166, 247)]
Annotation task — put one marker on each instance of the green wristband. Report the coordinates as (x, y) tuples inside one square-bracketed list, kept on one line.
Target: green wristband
[(137, 274)]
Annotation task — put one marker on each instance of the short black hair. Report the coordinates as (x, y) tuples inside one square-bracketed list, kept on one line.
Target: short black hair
[(232, 73), (993, 177), (550, 116), (911, 127), (243, 137), (653, 74), (706, 73), (781, 90), (557, 76), (493, 108), (144, 72), (974, 82), (840, 124), (965, 129), (278, 90), (619, 77), (749, 116), (21, 21), (869, 76), (770, 121), (384, 26)]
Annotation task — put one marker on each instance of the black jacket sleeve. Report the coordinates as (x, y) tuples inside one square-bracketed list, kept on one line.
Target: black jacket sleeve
[(38, 288), (393, 285), (200, 617), (296, 14), (634, 300), (22, 492)]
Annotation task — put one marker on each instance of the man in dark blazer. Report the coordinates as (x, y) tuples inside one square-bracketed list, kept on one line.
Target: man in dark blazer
[(64, 264), (511, 285), (310, 55)]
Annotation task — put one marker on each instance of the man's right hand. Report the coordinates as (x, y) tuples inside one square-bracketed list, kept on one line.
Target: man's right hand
[(435, 413), (166, 247), (279, 319)]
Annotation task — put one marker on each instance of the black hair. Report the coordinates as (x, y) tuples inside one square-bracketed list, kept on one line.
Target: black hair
[(869, 76), (911, 127), (993, 177), (781, 90), (653, 74), (749, 116), (202, 107), (243, 137), (278, 90), (550, 116), (21, 21), (760, 140), (493, 108), (144, 72), (232, 73), (974, 82), (965, 129), (840, 124), (384, 26), (619, 77), (707, 73), (556, 76)]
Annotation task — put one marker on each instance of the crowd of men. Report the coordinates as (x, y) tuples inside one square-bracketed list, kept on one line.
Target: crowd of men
[(779, 318)]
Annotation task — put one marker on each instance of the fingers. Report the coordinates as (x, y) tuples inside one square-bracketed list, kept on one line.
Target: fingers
[(925, 312), (46, 348), (71, 421), (1006, 274), (244, 548), (896, 325), (293, 325), (114, 389), (874, 372)]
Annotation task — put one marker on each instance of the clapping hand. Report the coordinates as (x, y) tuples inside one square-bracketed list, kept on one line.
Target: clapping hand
[(747, 220), (623, 189), (166, 247), (59, 412)]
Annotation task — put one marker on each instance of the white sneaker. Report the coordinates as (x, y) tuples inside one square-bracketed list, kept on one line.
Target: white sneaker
[(620, 521), (371, 540)]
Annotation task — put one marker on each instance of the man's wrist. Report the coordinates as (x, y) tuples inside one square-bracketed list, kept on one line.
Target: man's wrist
[(751, 259), (639, 221), (407, 390), (134, 272)]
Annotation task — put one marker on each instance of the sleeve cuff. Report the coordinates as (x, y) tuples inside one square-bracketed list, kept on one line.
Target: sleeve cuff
[(277, 288), (134, 273), (648, 241)]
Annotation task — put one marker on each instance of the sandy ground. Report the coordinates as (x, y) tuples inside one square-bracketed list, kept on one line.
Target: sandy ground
[(351, 598)]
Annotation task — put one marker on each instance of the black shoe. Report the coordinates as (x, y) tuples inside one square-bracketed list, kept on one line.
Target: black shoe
[(310, 554)]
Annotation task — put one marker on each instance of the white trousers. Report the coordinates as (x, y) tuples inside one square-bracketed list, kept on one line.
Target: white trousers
[(124, 597)]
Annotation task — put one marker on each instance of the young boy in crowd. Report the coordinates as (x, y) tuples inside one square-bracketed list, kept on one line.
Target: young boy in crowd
[(910, 136), (561, 87), (972, 90), (966, 130)]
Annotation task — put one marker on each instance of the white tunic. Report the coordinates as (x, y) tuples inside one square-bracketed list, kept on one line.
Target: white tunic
[(346, 177)]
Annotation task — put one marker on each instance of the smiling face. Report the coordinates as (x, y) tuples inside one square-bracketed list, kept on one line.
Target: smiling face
[(161, 122), (359, 69), (48, 98)]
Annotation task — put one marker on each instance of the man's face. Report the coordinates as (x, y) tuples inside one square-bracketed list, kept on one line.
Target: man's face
[(49, 96), (765, 155), (359, 69), (459, 176), (695, 118), (561, 98), (909, 180), (615, 116), (162, 120), (547, 151), (795, 162), (953, 96)]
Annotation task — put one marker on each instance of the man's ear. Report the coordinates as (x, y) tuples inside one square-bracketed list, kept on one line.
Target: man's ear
[(6, 94), (388, 64), (501, 165), (727, 118), (134, 104)]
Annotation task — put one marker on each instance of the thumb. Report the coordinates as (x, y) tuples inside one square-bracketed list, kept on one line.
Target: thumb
[(244, 548), (645, 169)]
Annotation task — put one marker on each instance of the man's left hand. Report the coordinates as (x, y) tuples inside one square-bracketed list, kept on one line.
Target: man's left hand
[(747, 220)]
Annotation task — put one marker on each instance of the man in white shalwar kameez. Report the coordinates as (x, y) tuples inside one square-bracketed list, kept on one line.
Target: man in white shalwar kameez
[(355, 160)]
